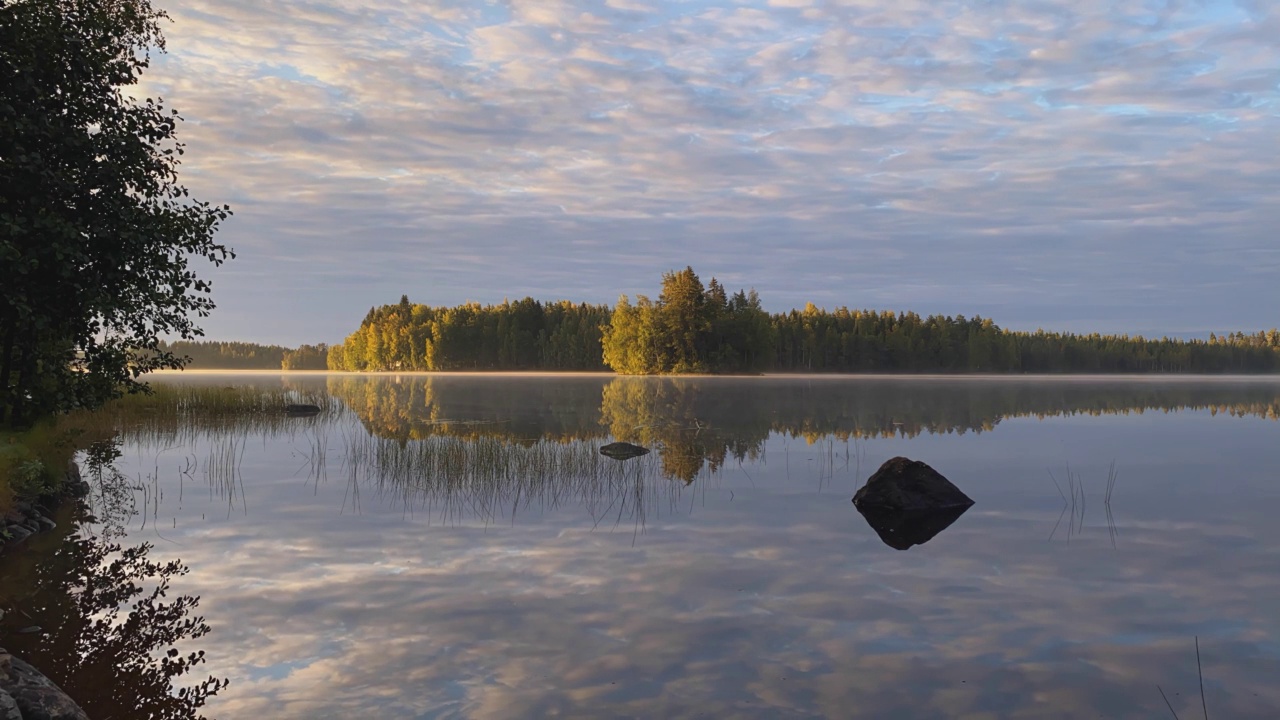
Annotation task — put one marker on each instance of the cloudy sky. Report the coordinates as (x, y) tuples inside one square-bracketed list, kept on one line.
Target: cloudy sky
[(1084, 165)]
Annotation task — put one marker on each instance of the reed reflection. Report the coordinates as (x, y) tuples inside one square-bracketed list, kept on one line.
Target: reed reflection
[(454, 479)]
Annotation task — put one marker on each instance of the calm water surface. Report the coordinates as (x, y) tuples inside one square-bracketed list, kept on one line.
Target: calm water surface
[(456, 547)]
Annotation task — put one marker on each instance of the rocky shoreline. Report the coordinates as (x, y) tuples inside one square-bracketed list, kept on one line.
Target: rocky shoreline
[(30, 517), (25, 693)]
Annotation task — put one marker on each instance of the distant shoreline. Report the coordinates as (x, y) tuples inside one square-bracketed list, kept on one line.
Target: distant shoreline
[(1003, 377)]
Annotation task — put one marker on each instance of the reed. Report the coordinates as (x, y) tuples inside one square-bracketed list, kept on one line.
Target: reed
[(490, 478), (1075, 503), (1204, 704), (179, 414)]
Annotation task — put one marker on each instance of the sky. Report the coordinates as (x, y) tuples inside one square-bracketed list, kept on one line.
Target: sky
[(1082, 165)]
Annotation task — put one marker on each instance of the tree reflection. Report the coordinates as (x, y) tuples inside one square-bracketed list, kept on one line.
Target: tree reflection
[(738, 413), (697, 424), (694, 425), (674, 417), (516, 408), (114, 638)]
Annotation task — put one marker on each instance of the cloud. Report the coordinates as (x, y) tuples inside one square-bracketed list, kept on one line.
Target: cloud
[(366, 146)]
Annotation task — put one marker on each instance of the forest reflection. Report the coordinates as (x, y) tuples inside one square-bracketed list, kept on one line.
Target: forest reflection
[(700, 424), (485, 443)]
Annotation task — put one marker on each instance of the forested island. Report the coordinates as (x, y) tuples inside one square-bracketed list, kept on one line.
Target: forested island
[(697, 328)]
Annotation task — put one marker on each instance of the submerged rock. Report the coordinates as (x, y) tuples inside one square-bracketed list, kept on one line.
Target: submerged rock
[(902, 529), (902, 484), (623, 450), (302, 409)]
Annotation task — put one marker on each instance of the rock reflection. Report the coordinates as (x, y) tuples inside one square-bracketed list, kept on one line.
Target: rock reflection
[(758, 608), (904, 529), (695, 426)]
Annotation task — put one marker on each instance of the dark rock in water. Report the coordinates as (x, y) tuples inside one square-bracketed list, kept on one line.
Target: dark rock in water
[(17, 533), (302, 410), (902, 529), (46, 523), (35, 695), (623, 450), (902, 484)]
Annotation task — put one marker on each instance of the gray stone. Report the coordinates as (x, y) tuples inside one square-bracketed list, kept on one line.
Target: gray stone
[(46, 523), (9, 707), (35, 695), (623, 450), (17, 533), (903, 484), (75, 488)]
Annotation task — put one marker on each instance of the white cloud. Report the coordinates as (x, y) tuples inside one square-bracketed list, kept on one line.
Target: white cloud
[(375, 139)]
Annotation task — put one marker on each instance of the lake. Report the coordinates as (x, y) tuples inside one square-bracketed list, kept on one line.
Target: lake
[(456, 546)]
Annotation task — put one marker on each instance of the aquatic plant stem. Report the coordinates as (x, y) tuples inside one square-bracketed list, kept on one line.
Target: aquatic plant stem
[(1166, 701), (1199, 671)]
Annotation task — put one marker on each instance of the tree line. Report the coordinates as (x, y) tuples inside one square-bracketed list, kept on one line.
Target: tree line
[(695, 328), (225, 355), (522, 335)]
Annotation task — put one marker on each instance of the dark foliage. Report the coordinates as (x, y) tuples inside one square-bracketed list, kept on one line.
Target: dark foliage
[(96, 234)]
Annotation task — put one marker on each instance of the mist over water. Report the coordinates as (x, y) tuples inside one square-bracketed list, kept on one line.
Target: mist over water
[(456, 546)]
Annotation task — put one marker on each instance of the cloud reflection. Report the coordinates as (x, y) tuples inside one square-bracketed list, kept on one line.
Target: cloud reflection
[(759, 594)]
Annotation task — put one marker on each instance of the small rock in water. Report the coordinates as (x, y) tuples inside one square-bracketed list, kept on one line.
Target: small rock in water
[(302, 409), (623, 450), (30, 630), (905, 484), (46, 523)]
